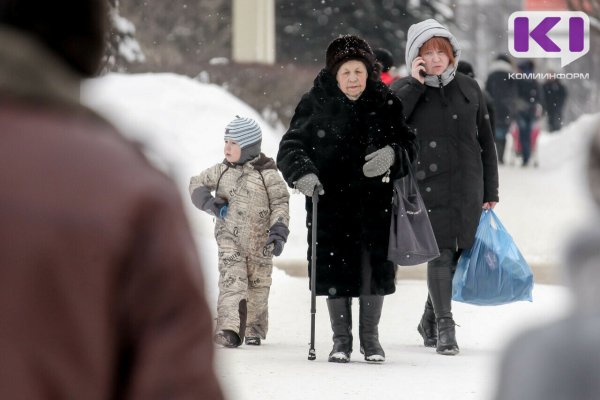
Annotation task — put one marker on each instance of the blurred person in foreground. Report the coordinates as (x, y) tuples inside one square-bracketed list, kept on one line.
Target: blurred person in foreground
[(561, 359), (101, 293), (457, 170)]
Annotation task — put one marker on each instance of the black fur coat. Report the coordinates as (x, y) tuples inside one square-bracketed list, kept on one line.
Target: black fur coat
[(330, 136)]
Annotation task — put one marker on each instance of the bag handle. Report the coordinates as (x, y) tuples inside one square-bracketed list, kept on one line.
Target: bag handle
[(412, 178)]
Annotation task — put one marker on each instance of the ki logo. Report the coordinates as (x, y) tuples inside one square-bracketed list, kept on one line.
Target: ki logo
[(549, 34)]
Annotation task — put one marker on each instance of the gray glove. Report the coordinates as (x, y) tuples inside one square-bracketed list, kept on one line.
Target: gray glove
[(206, 202), (307, 184), (379, 162)]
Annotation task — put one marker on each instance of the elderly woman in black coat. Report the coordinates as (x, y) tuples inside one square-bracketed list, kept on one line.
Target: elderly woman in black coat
[(348, 137), (457, 170)]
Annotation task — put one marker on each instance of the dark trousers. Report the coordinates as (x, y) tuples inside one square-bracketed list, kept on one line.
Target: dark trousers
[(525, 123), (554, 120), (500, 139)]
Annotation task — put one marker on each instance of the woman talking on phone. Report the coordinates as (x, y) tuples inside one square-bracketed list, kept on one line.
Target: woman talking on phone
[(457, 169)]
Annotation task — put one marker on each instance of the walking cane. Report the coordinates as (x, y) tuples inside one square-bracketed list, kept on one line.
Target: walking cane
[(313, 272)]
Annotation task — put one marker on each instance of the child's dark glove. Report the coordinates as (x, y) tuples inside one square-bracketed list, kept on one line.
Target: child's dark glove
[(217, 207), (206, 202), (277, 237)]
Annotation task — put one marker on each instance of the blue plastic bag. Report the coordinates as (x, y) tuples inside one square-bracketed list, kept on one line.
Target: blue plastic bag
[(493, 271)]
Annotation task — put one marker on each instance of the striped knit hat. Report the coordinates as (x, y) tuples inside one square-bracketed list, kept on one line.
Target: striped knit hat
[(244, 131)]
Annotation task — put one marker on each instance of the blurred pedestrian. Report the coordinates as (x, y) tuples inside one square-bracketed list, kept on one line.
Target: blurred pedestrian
[(101, 292), (528, 108), (252, 217), (457, 169), (561, 359), (386, 59), (348, 139), (554, 95), (466, 68), (503, 93)]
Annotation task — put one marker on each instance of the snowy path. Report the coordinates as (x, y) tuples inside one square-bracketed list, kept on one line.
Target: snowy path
[(279, 369)]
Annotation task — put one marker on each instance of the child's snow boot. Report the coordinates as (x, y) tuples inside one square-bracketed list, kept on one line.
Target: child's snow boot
[(227, 338), (253, 340)]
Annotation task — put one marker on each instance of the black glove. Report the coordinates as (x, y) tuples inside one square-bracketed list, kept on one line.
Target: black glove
[(277, 237)]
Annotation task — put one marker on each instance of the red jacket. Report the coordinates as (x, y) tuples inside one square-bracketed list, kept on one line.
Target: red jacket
[(101, 293), (387, 78)]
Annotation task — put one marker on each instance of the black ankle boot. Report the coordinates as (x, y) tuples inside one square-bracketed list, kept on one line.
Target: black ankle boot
[(340, 315), (370, 313), (446, 344), (428, 328)]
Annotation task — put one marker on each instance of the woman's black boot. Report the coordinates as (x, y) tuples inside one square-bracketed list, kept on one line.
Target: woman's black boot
[(340, 315), (439, 281), (446, 344), (370, 313), (428, 326)]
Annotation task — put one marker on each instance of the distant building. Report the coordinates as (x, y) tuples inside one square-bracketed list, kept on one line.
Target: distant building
[(253, 31)]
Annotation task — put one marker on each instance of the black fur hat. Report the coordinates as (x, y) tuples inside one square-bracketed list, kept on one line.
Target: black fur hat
[(350, 47), (76, 36)]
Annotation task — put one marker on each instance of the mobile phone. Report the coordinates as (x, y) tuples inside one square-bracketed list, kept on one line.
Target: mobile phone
[(422, 72)]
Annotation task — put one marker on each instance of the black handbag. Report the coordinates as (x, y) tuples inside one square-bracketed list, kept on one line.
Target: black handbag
[(412, 241)]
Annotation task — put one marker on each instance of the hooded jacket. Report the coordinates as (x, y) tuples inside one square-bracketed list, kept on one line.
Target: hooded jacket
[(330, 136), (101, 294), (457, 169)]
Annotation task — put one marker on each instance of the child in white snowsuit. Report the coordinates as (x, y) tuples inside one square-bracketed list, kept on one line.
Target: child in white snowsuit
[(252, 217)]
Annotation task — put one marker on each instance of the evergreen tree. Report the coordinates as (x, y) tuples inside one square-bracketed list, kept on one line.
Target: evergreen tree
[(305, 27)]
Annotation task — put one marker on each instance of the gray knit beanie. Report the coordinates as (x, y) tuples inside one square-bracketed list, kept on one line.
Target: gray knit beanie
[(419, 33), (243, 131)]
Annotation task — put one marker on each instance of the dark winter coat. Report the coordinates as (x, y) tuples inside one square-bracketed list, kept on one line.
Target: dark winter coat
[(101, 291), (503, 92), (457, 167), (554, 96), (330, 136), (529, 96)]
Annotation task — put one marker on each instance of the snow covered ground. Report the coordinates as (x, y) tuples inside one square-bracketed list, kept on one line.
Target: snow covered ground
[(181, 123)]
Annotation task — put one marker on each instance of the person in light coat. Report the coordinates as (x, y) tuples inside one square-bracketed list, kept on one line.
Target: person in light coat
[(252, 217)]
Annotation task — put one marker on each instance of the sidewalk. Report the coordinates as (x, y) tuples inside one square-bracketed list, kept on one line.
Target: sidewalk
[(543, 273)]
